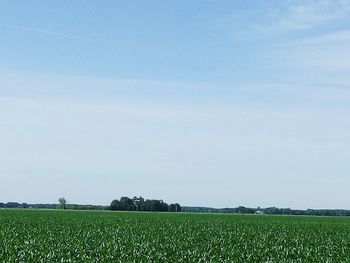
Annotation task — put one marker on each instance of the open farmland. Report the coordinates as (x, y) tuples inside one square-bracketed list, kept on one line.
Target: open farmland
[(71, 236)]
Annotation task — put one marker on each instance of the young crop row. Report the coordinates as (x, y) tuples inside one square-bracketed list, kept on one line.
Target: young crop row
[(66, 236)]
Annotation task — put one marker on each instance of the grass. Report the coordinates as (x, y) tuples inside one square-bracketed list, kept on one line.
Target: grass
[(77, 236)]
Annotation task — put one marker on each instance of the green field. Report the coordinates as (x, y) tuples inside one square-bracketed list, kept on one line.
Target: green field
[(72, 236)]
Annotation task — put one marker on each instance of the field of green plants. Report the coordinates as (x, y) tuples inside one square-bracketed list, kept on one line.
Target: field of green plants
[(73, 236)]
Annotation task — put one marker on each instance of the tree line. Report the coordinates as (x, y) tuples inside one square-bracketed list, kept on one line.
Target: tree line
[(53, 206), (123, 204), (269, 211), (141, 204)]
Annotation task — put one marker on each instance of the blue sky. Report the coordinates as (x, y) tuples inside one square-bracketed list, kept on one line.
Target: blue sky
[(199, 102)]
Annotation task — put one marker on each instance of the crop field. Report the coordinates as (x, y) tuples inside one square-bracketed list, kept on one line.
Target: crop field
[(74, 236)]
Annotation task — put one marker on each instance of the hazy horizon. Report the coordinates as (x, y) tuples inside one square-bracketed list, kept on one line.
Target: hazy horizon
[(204, 103)]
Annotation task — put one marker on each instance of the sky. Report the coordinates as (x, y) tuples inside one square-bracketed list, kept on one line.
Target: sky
[(204, 103)]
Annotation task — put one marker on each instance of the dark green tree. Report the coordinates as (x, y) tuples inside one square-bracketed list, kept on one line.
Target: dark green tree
[(177, 207), (126, 204), (138, 203), (172, 208), (62, 202), (115, 206)]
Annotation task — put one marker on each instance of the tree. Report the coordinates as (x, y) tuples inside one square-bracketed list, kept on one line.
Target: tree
[(138, 202), (62, 202), (172, 208), (114, 205), (177, 207), (127, 204)]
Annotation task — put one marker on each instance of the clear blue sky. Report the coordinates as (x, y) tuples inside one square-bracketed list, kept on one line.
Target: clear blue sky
[(210, 103)]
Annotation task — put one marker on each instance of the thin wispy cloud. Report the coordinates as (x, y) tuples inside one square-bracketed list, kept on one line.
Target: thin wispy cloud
[(305, 16), (341, 37), (328, 52), (325, 59), (307, 38), (47, 32), (271, 19)]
